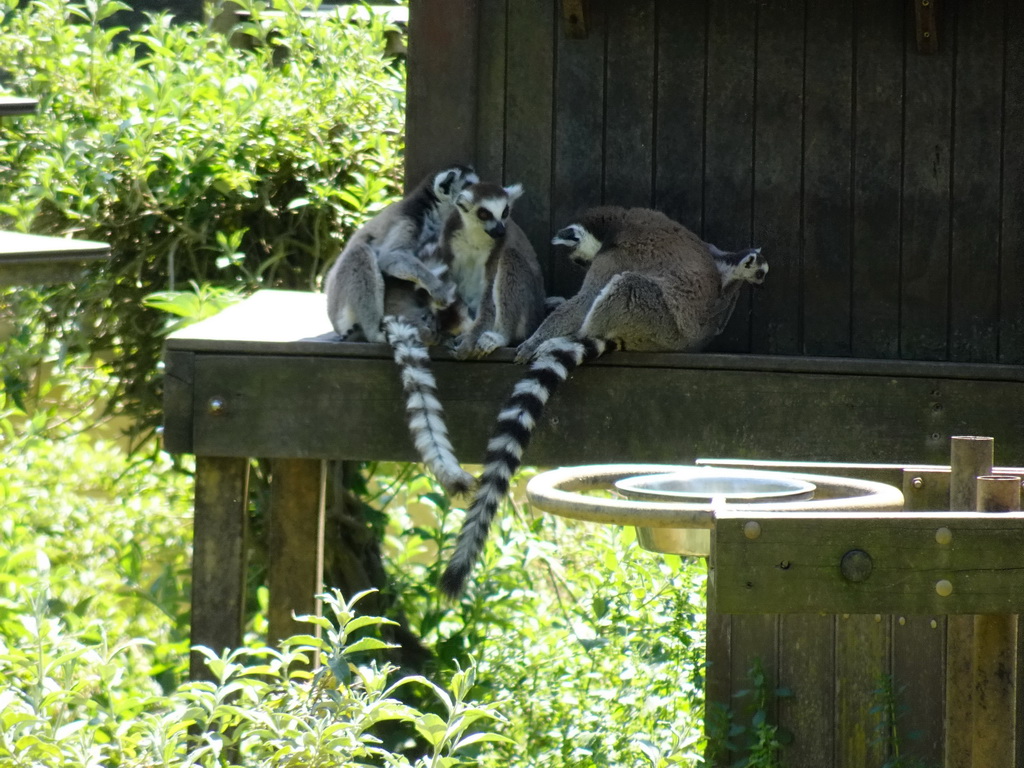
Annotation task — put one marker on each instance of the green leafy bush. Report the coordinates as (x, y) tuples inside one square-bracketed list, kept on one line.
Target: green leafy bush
[(588, 652), (596, 645), (198, 161)]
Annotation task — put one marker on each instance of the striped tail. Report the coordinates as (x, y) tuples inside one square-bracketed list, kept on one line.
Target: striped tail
[(555, 360), (423, 409)]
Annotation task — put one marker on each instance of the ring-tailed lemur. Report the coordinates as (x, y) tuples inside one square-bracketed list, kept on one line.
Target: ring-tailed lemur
[(397, 236), (497, 278), (494, 268), (651, 285), (388, 283), (736, 268)]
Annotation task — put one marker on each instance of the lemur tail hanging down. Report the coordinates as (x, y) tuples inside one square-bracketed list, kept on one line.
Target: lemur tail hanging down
[(553, 364), (423, 407)]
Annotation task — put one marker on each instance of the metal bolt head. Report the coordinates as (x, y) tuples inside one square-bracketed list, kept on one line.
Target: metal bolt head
[(943, 536), (752, 529), (216, 405), (918, 482), (944, 587), (856, 565)]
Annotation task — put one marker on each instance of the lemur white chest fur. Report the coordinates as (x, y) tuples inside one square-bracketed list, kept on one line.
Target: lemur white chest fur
[(475, 228), (470, 248)]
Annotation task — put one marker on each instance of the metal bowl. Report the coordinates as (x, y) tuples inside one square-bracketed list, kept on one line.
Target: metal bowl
[(707, 484)]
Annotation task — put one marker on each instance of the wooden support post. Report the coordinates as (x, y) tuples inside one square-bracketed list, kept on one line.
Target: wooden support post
[(296, 545), (970, 457), (218, 557), (995, 650)]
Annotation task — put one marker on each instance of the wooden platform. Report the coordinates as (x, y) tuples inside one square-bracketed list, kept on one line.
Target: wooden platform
[(266, 378), (38, 259), (14, 105)]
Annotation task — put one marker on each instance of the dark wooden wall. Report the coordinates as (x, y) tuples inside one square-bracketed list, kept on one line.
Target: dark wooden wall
[(886, 186)]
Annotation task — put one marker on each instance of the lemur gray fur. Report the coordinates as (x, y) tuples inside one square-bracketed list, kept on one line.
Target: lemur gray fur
[(651, 285), (736, 268), (391, 244), (388, 285), (494, 268)]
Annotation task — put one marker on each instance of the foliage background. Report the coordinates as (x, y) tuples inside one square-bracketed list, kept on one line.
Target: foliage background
[(202, 158)]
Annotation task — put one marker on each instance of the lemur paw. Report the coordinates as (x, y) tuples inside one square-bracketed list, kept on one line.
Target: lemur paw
[(488, 342), (462, 347), (443, 298), (525, 352)]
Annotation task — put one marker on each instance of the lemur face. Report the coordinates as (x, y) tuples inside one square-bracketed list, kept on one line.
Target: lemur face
[(753, 267), (582, 245), (488, 206), (449, 183)]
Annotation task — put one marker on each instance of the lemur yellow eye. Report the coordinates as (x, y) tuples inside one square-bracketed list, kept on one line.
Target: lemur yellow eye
[(483, 214)]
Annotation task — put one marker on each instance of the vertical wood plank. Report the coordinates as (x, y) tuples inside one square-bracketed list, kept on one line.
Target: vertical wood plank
[(927, 138), (729, 142), (1011, 271), (969, 457), (489, 159), (828, 147), (959, 690), (296, 545), (679, 123), (778, 166), (578, 138), (179, 401), (862, 658), (807, 668), (919, 648), (218, 557), (629, 103), (995, 652), (718, 683), (440, 126), (754, 639), (532, 29), (977, 154), (878, 120)]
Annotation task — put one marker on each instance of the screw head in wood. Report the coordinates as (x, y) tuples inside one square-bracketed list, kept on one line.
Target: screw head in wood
[(944, 587), (752, 529), (856, 565), (943, 536)]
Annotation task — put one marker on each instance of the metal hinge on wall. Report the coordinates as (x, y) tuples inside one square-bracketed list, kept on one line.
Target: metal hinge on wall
[(926, 25), (575, 17)]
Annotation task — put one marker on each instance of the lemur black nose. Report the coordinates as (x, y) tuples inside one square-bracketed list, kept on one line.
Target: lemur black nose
[(497, 230)]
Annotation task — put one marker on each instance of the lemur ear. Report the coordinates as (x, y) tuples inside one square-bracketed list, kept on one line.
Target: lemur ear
[(443, 183), (514, 192)]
